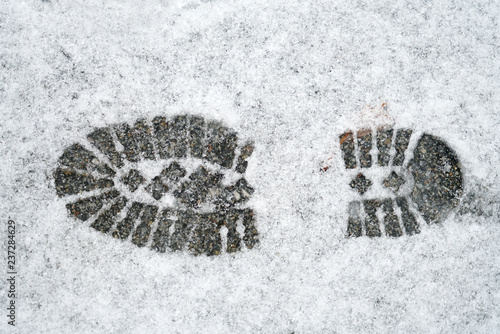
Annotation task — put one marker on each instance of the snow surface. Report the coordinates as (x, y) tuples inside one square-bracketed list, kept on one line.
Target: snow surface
[(291, 76)]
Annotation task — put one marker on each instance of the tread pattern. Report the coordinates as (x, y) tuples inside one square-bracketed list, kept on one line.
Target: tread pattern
[(204, 208), (437, 182)]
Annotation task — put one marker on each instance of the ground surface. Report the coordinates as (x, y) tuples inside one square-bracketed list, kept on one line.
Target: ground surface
[(290, 76)]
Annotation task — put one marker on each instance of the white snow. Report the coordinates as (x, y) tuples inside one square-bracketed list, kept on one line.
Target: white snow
[(291, 76)]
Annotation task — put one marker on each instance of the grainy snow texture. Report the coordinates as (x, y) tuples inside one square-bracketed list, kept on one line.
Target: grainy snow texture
[(291, 76)]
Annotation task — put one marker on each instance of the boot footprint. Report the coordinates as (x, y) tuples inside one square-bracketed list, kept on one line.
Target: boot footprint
[(429, 179), (172, 184)]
